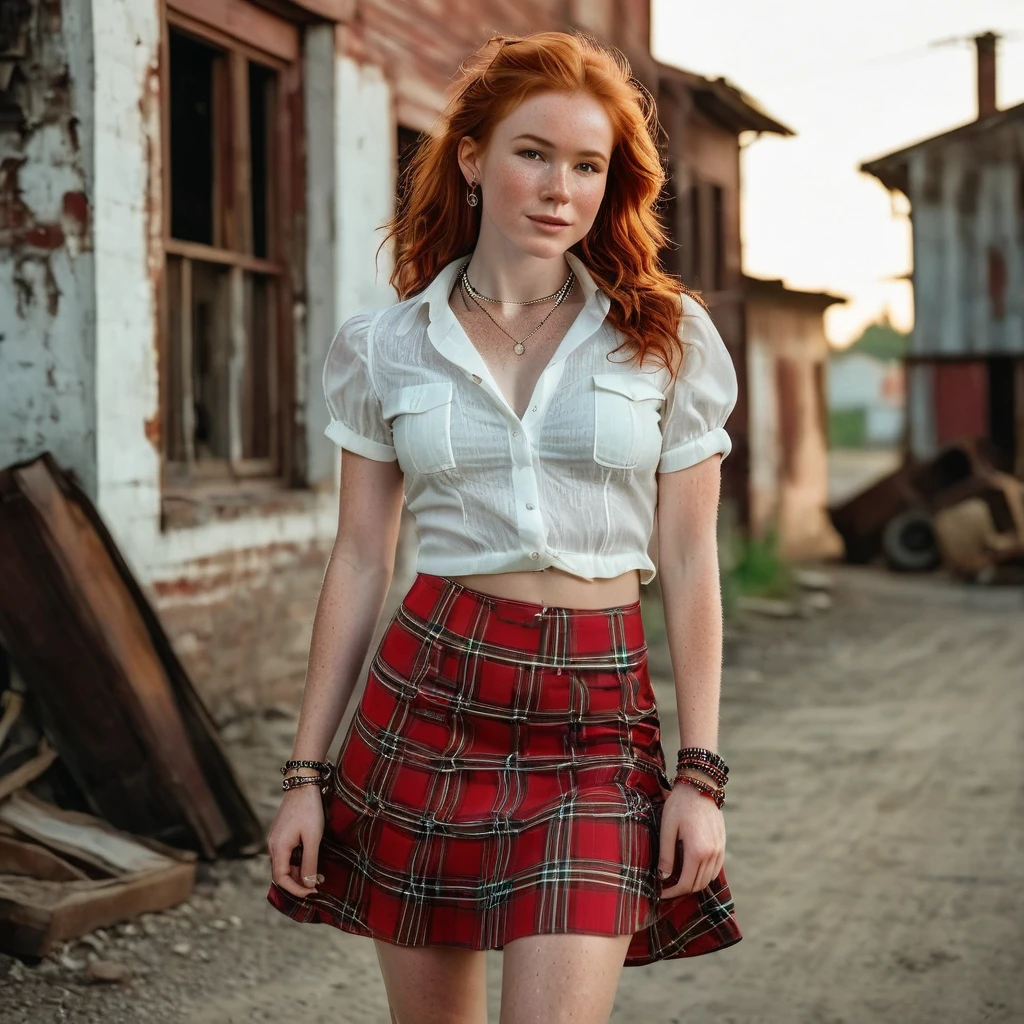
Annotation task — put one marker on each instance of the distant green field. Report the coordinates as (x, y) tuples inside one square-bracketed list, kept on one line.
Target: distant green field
[(847, 428)]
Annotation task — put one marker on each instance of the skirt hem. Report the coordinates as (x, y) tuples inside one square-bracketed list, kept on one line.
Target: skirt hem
[(303, 912)]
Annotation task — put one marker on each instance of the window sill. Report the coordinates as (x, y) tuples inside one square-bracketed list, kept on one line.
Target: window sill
[(186, 506)]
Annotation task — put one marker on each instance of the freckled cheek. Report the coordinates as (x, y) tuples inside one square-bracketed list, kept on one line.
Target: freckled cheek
[(587, 201), (514, 191)]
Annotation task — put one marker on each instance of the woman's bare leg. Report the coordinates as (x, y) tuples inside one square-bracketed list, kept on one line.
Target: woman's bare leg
[(434, 984), (558, 979)]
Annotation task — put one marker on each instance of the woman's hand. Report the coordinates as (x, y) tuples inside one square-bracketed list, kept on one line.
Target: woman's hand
[(299, 822), (690, 818)]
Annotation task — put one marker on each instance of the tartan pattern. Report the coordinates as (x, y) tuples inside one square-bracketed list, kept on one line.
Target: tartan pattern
[(503, 776)]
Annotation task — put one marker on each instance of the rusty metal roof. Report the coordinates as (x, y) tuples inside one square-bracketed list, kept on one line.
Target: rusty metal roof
[(775, 288), (722, 101), (891, 169)]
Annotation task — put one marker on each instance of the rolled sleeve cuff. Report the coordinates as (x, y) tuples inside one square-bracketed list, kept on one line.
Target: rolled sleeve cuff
[(714, 442), (345, 437)]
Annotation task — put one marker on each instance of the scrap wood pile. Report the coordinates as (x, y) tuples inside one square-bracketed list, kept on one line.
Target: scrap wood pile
[(955, 509), (113, 779)]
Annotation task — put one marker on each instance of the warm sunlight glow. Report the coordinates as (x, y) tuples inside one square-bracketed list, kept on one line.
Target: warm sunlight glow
[(854, 82)]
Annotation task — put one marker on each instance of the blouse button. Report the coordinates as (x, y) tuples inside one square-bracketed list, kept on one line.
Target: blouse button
[(530, 506), (535, 555), (477, 378), (534, 409), (515, 433)]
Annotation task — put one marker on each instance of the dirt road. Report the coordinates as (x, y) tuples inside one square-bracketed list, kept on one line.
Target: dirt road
[(876, 846)]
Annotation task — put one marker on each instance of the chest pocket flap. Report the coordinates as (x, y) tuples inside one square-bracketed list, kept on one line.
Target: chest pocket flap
[(421, 416), (417, 398), (636, 388), (626, 417)]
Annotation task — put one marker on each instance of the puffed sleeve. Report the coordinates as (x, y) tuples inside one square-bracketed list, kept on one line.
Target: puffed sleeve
[(357, 423), (701, 397)]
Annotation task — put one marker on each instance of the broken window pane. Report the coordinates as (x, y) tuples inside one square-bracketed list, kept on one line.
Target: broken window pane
[(192, 130), (261, 106)]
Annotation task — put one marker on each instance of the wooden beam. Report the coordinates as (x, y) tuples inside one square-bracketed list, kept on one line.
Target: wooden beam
[(186, 355), (246, 22), (223, 257), (236, 360)]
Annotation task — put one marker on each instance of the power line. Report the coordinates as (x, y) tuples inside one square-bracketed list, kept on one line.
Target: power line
[(889, 59)]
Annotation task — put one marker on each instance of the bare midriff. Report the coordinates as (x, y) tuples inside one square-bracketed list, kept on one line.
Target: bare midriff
[(556, 589)]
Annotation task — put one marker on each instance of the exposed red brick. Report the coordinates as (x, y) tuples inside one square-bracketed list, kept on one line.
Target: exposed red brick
[(152, 428)]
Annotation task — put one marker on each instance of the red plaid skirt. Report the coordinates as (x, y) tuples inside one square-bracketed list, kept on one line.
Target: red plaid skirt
[(503, 776)]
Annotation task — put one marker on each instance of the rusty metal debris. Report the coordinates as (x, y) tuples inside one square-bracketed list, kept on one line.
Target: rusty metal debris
[(955, 509)]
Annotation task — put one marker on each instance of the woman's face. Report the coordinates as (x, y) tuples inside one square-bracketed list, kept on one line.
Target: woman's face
[(543, 173)]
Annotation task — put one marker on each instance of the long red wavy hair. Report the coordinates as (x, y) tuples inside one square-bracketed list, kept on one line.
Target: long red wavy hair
[(434, 224)]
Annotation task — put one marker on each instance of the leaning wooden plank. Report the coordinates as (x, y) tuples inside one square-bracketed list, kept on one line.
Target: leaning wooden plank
[(31, 769), (247, 832), (84, 650), (34, 914), (90, 840), (11, 703), (19, 857)]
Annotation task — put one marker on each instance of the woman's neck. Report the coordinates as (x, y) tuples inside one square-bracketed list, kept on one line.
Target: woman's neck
[(516, 277)]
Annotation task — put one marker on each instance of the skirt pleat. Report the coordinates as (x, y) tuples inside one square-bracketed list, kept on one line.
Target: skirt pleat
[(503, 776)]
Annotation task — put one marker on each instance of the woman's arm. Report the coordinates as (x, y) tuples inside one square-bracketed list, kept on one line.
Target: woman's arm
[(691, 592), (692, 595), (351, 599)]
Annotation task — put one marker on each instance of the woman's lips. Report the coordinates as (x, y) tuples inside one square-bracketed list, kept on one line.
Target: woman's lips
[(549, 223)]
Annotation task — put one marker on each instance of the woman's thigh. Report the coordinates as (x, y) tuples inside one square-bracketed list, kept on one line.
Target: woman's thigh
[(560, 978), (434, 984)]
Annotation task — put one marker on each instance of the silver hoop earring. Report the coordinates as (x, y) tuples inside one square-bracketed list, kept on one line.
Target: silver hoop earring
[(472, 198)]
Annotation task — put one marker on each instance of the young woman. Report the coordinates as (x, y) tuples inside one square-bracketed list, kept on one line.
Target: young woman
[(540, 392)]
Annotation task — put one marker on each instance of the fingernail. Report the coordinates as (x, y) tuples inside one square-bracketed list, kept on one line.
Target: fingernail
[(319, 879), (662, 874), (310, 880)]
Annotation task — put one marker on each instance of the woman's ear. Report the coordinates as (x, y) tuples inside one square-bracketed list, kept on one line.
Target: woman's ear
[(469, 159)]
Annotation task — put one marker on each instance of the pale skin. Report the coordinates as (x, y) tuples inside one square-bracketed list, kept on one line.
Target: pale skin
[(548, 159)]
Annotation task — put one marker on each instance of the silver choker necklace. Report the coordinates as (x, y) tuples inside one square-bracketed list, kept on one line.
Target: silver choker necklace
[(480, 297)]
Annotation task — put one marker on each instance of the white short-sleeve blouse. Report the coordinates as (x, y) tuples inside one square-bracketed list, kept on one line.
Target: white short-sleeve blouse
[(574, 483)]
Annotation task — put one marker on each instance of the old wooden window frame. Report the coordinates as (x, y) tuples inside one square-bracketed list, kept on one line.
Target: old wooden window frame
[(244, 32)]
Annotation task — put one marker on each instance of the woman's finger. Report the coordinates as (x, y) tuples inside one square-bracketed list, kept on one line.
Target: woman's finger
[(686, 877), (667, 851), (310, 848), (286, 874)]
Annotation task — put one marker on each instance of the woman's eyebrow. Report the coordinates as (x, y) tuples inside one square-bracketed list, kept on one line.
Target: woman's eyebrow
[(551, 145)]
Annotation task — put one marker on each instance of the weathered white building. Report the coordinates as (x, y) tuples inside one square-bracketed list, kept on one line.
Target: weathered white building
[(787, 359), (965, 370), (190, 194)]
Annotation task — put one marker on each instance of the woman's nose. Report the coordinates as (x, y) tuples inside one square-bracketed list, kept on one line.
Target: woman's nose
[(557, 187)]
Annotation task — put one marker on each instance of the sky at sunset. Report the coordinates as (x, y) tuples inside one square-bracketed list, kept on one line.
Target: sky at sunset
[(854, 81)]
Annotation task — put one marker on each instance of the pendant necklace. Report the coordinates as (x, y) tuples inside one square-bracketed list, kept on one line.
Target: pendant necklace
[(518, 346)]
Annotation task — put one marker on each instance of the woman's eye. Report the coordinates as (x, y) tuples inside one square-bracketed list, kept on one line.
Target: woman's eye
[(589, 168), (529, 153)]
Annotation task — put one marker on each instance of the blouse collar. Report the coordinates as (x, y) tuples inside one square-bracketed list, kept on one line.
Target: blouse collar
[(441, 318)]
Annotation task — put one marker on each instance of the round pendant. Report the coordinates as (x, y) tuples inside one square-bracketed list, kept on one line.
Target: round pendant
[(518, 348)]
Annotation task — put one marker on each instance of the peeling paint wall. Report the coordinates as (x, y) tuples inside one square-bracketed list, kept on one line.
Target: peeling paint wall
[(47, 381), (787, 352)]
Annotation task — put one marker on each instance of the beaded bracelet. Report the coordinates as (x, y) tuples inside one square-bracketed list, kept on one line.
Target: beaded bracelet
[(324, 767), (705, 768), (705, 788), (703, 754), (304, 780)]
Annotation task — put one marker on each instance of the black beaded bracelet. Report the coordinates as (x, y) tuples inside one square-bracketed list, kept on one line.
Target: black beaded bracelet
[(324, 767), (702, 753)]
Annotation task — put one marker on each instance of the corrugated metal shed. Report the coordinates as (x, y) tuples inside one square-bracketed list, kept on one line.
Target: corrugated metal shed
[(966, 189)]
